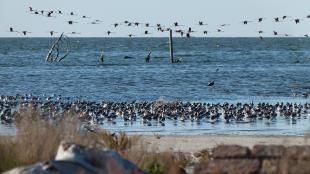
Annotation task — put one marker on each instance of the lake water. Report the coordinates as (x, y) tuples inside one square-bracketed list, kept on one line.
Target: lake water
[(243, 69)]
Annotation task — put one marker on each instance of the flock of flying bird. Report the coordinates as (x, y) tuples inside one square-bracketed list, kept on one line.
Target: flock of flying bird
[(188, 32)]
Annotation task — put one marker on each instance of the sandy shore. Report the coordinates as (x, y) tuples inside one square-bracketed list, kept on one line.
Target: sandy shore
[(194, 143)]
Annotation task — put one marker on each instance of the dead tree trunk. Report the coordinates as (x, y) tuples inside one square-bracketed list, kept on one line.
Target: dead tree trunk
[(55, 50)]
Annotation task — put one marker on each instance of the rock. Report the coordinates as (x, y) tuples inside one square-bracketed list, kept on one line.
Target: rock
[(73, 158), (270, 151), (291, 166), (270, 166), (202, 156), (298, 152), (227, 166), (230, 151)]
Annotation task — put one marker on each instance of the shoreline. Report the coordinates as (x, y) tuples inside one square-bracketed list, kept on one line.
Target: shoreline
[(194, 143)]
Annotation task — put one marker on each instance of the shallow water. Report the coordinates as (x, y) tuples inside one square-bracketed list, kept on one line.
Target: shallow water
[(244, 69)]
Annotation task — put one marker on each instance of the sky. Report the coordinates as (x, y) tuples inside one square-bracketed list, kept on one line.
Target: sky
[(15, 13)]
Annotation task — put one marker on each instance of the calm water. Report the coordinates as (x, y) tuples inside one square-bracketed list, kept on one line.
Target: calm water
[(244, 69)]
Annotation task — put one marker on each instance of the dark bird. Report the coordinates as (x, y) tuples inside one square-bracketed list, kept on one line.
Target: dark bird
[(25, 32), (201, 23), (130, 35), (224, 25), (182, 33), (12, 30), (98, 21), (190, 30), (71, 22), (219, 30), (73, 32), (260, 31), (276, 19), (52, 33), (188, 35), (109, 32), (94, 22), (85, 17), (49, 14), (205, 32), (146, 32), (297, 21), (246, 22), (30, 9), (115, 25), (211, 83), (176, 24), (260, 19), (275, 33), (137, 24), (59, 12)]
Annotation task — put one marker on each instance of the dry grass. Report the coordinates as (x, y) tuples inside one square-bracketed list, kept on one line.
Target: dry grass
[(38, 138)]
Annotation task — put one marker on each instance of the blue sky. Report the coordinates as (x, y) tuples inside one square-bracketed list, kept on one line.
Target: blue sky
[(187, 13)]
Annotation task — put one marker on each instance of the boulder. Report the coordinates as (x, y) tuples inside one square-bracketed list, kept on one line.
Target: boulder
[(298, 152), (270, 151), (227, 166), (230, 151), (74, 158)]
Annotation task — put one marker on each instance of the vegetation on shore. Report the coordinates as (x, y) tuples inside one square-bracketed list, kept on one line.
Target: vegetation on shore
[(38, 137)]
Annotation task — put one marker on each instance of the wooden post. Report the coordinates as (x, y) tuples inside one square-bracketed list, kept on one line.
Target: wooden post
[(171, 47)]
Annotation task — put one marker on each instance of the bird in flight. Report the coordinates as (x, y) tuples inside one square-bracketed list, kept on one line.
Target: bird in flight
[(71, 22), (297, 21), (52, 32), (25, 32), (12, 30)]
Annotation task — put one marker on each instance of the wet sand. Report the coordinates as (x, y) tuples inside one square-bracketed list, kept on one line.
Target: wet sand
[(194, 143)]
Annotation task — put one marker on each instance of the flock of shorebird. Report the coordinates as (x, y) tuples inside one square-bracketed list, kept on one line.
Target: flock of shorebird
[(94, 113), (159, 27)]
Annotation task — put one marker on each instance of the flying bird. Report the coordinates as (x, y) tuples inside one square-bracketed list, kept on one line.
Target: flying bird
[(224, 25), (277, 19), (73, 32), (297, 21), (85, 17), (25, 32), (71, 22), (12, 30), (52, 32), (201, 23), (260, 19)]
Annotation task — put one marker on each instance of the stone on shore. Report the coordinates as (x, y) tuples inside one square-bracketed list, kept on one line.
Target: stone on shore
[(74, 158)]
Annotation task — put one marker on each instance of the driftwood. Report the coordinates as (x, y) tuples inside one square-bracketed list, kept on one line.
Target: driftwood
[(54, 54)]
